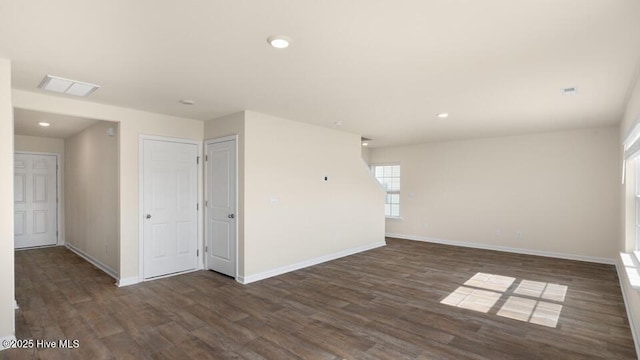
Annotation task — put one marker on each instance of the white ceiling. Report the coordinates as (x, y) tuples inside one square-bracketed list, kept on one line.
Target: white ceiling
[(383, 68), (62, 126)]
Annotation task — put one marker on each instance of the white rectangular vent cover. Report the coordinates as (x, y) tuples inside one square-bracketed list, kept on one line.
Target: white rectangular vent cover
[(66, 86)]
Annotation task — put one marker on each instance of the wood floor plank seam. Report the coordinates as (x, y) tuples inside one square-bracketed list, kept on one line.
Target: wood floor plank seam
[(380, 304)]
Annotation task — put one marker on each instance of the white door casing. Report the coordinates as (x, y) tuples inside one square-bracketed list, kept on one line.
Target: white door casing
[(220, 206), (169, 211), (35, 200)]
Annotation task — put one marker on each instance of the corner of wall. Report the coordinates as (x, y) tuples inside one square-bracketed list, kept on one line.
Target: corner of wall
[(7, 282)]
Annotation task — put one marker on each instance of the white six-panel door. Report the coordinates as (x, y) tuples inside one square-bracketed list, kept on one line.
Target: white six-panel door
[(170, 215), (35, 200), (220, 204)]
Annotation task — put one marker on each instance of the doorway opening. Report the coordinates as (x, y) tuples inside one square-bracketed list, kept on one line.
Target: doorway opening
[(66, 186)]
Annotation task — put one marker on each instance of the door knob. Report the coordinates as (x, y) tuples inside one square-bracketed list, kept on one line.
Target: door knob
[(148, 216), (231, 216)]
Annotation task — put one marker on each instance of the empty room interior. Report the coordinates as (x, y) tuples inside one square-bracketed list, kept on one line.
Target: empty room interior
[(320, 179)]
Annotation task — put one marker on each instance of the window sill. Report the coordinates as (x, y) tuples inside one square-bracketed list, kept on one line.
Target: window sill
[(394, 217), (632, 267)]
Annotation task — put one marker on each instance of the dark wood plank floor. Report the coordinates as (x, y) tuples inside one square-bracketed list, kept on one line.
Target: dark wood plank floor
[(382, 304)]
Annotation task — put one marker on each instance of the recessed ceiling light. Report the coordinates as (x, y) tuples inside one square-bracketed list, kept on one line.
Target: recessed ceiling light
[(337, 123), (570, 90), (279, 41), (365, 144), (443, 115), (66, 86), (187, 102), (44, 124)]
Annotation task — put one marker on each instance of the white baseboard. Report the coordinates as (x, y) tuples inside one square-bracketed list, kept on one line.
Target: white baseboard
[(109, 271), (303, 264), (505, 249), (4, 340), (128, 281), (625, 297)]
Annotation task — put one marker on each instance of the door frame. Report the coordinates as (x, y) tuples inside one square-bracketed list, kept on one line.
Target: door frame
[(199, 185), (206, 182), (59, 240)]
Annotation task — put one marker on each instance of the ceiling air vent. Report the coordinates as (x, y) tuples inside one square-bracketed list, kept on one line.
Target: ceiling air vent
[(66, 86)]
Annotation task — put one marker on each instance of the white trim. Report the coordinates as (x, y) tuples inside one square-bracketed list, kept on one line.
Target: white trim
[(4, 339), (36, 247), (140, 211), (134, 280), (631, 266), (15, 304), (128, 281), (208, 142), (59, 239), (303, 264), (200, 202), (199, 196), (172, 274), (95, 262), (221, 139), (625, 298), (631, 141), (566, 256)]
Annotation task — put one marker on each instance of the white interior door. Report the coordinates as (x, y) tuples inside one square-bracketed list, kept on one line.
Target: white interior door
[(221, 207), (170, 215), (35, 197)]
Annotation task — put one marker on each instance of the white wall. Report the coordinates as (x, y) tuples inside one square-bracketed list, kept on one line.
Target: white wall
[(132, 123), (47, 145), (552, 192), (7, 316), (626, 241), (366, 155), (225, 126), (286, 213), (291, 214), (92, 194)]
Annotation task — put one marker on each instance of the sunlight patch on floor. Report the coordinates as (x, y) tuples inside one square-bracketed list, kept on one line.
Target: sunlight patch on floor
[(482, 291), (490, 282), (529, 310), (544, 290), (472, 299)]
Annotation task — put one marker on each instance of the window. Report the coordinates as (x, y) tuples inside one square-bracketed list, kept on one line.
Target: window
[(389, 177)]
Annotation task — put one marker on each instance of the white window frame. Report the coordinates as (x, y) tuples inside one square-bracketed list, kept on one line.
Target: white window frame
[(637, 206), (390, 192)]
